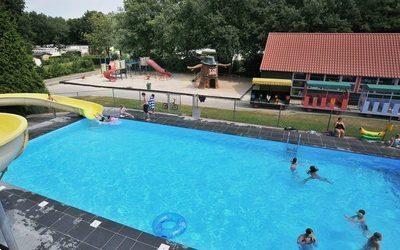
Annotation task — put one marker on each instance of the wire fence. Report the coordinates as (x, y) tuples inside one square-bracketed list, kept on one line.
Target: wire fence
[(229, 109)]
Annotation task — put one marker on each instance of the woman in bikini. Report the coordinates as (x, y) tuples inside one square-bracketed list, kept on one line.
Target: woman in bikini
[(340, 129)]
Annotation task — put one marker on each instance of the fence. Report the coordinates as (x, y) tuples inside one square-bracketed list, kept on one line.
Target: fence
[(230, 109)]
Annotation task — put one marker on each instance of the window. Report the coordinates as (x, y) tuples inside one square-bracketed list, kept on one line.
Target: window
[(386, 81), (300, 76), (297, 92), (349, 79), (369, 80), (317, 77), (297, 83), (332, 78)]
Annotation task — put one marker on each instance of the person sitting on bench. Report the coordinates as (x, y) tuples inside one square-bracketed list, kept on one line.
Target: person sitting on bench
[(395, 141)]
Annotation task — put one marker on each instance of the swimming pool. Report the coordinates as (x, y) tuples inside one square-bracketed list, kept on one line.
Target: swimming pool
[(234, 192)]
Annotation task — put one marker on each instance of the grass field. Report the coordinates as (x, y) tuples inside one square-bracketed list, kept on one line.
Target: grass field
[(300, 120)]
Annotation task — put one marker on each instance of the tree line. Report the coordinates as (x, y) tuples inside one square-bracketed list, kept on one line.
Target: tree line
[(170, 30)]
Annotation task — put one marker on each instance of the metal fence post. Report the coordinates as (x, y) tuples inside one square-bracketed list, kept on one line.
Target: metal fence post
[(234, 110), (113, 96), (180, 104), (77, 94), (279, 115), (329, 121), (168, 102)]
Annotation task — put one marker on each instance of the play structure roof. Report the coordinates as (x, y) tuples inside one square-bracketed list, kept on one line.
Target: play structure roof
[(352, 54), (383, 88), (329, 85), (272, 82)]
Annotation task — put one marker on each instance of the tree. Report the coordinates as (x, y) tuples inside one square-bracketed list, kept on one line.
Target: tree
[(101, 37), (17, 71), (41, 29), (15, 7), (78, 27)]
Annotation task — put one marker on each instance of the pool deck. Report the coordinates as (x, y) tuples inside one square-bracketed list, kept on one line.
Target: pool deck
[(53, 225)]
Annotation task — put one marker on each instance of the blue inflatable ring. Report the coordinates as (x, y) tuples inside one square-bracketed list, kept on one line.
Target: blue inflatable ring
[(169, 232)]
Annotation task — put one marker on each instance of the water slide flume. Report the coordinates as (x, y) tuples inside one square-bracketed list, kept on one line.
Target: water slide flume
[(13, 138), (84, 108), (14, 133)]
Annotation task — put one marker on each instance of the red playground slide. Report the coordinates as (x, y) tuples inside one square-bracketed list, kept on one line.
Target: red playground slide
[(109, 74), (157, 68)]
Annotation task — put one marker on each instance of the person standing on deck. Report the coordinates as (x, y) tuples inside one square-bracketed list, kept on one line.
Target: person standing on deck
[(152, 104), (145, 105)]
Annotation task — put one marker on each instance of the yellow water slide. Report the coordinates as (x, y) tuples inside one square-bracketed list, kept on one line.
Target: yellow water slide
[(13, 138), (14, 133), (84, 108), (13, 128)]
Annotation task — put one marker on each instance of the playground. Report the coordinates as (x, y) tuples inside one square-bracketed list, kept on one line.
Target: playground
[(229, 87)]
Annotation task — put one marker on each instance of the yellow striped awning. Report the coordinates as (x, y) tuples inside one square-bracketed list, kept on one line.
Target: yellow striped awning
[(272, 81)]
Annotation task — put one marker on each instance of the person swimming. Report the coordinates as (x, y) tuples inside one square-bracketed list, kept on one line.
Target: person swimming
[(104, 118), (293, 165), (359, 218), (373, 242), (307, 240), (313, 175)]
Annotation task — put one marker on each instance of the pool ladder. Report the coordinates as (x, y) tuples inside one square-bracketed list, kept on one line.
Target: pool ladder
[(292, 148)]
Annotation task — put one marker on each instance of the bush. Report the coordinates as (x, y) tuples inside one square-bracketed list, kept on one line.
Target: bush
[(65, 65)]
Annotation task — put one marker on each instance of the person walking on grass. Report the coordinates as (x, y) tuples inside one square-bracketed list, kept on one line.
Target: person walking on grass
[(145, 105)]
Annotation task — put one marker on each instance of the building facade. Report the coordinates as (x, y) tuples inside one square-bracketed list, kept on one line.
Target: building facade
[(356, 58)]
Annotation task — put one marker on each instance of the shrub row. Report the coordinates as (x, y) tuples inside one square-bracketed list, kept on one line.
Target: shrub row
[(65, 66)]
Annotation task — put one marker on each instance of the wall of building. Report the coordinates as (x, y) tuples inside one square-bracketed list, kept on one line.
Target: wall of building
[(357, 82), (276, 74)]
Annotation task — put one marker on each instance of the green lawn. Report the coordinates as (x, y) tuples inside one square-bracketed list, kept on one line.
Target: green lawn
[(300, 120)]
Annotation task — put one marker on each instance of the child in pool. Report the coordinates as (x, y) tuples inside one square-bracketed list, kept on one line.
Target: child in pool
[(307, 240), (313, 175), (293, 165), (359, 218)]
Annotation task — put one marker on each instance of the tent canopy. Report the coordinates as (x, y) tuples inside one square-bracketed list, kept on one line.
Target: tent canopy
[(272, 82), (384, 88), (329, 85)]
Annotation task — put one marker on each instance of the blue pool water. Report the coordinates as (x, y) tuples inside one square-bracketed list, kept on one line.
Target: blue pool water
[(234, 192)]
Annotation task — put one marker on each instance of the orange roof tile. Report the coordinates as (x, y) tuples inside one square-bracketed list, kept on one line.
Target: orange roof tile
[(353, 54)]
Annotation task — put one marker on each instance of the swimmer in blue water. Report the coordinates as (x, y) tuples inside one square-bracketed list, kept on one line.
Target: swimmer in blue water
[(373, 242), (293, 165), (307, 240), (313, 175), (104, 118), (359, 218)]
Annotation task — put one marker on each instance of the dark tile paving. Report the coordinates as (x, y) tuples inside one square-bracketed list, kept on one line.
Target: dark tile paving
[(59, 226), (99, 237), (275, 134), (114, 242)]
